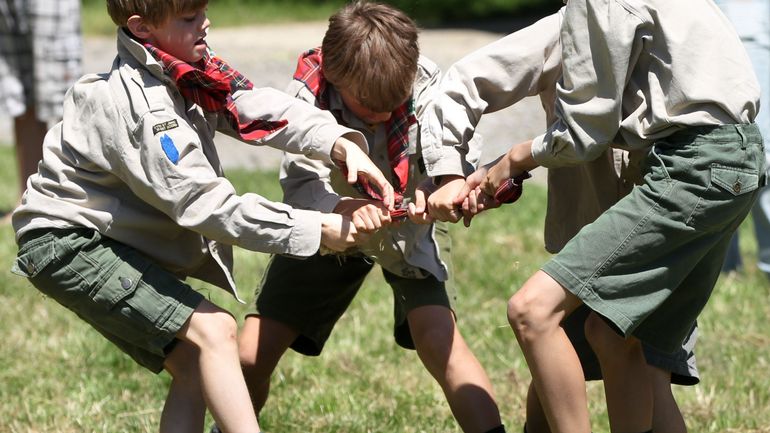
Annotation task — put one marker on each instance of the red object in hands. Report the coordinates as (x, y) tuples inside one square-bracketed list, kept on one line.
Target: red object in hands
[(510, 190)]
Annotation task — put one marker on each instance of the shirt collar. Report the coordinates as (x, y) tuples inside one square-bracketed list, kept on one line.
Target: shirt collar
[(130, 47)]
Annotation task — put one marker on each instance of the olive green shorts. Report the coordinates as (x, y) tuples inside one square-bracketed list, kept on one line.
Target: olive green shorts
[(128, 298), (311, 295), (649, 263)]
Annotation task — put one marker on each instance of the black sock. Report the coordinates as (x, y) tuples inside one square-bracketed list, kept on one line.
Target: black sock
[(498, 429)]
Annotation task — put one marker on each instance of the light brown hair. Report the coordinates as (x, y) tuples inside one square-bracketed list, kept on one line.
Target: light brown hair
[(370, 50), (154, 12)]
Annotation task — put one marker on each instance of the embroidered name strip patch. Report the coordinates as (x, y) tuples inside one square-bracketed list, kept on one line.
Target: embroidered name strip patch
[(165, 126)]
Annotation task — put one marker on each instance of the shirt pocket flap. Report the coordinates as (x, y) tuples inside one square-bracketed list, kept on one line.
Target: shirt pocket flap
[(734, 180), (33, 258)]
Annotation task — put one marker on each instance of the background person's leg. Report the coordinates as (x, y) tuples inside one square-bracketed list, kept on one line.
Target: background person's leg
[(262, 343), (450, 361)]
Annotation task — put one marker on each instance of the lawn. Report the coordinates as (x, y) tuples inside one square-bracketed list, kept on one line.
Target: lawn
[(58, 375)]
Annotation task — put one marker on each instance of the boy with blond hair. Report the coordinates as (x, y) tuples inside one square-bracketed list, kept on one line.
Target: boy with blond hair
[(129, 200), (369, 74)]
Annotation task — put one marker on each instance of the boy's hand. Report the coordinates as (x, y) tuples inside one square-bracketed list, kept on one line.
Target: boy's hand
[(337, 232), (417, 211), (472, 199), (441, 203), (367, 216), (358, 163), (514, 164)]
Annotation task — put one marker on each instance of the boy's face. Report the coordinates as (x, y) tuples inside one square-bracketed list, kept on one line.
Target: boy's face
[(182, 36), (363, 113)]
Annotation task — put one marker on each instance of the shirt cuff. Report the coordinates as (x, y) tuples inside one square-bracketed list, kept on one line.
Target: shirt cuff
[(446, 161), (542, 154), (305, 237)]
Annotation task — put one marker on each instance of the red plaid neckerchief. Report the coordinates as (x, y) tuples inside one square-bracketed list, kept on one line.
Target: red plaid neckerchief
[(309, 72), (211, 84)]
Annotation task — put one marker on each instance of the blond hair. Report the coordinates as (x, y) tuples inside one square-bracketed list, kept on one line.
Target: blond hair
[(370, 50), (154, 12)]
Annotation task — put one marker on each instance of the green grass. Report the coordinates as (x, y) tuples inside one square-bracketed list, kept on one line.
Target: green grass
[(58, 375)]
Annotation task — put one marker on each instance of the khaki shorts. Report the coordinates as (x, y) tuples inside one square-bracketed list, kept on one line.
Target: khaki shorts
[(650, 262), (133, 302), (311, 295)]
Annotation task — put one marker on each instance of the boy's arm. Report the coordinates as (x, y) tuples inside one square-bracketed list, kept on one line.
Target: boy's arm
[(492, 78), (311, 132), (169, 171), (525, 63)]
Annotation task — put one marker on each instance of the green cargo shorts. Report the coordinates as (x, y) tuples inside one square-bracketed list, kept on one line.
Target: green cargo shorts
[(650, 262), (311, 295), (133, 302)]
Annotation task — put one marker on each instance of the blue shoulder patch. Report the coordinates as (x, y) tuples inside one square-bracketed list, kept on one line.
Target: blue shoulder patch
[(169, 149)]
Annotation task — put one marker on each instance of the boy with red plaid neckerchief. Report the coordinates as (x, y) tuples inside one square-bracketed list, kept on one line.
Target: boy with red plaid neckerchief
[(130, 199), (369, 74)]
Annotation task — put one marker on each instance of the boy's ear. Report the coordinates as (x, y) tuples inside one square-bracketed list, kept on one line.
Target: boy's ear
[(139, 28)]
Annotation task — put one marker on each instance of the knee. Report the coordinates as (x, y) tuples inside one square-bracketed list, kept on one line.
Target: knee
[(216, 331), (526, 318)]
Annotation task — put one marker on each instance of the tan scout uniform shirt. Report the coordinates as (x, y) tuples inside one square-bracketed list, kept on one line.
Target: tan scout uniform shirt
[(104, 167), (627, 80), (527, 63), (408, 250)]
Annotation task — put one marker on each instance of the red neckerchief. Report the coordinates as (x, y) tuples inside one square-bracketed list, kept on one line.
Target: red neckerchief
[(309, 72), (211, 84)]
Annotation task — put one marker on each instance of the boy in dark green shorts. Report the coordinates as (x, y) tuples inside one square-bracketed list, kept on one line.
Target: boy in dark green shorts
[(129, 200), (369, 74), (677, 87)]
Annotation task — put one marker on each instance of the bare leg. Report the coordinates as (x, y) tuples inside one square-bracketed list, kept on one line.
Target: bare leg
[(450, 361), (536, 420), (535, 312), (627, 379), (29, 133), (666, 416), (262, 343), (185, 408), (212, 332)]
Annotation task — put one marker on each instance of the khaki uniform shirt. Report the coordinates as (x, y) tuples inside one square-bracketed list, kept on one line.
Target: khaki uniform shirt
[(593, 128), (633, 73), (408, 250), (109, 165)]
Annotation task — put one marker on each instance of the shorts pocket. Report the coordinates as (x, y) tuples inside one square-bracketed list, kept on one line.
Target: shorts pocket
[(119, 284), (33, 257), (733, 180)]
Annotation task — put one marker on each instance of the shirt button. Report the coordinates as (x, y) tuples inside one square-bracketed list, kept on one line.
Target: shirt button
[(125, 283), (737, 187)]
